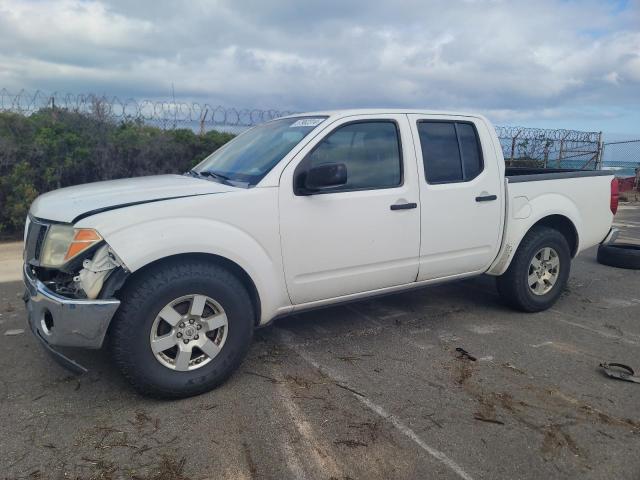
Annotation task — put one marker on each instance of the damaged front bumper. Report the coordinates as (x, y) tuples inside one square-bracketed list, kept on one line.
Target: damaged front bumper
[(66, 322)]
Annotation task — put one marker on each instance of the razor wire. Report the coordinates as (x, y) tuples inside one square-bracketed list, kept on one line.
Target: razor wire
[(165, 113), (550, 148), (521, 145)]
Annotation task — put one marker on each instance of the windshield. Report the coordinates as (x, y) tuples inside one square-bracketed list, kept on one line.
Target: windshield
[(250, 156)]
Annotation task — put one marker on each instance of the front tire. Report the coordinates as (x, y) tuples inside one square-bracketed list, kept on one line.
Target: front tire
[(182, 328), (538, 272)]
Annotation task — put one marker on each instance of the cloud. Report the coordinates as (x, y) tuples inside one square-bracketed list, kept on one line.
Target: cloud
[(516, 60)]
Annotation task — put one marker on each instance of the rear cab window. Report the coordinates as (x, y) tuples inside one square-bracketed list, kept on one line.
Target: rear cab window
[(451, 151)]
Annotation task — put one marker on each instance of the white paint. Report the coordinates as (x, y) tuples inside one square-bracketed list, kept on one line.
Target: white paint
[(12, 333), (393, 315), (313, 450), (65, 204), (621, 302), (420, 346), (293, 463), (543, 344), (458, 234), (343, 243), (484, 329), (399, 425), (584, 201), (521, 208), (594, 330), (309, 251), (374, 407)]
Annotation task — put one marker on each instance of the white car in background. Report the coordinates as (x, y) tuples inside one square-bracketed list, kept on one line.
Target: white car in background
[(176, 271)]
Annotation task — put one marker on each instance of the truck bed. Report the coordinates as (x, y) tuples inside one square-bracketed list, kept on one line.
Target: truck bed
[(582, 197), (530, 174)]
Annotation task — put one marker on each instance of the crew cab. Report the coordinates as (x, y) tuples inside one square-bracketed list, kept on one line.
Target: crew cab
[(176, 271)]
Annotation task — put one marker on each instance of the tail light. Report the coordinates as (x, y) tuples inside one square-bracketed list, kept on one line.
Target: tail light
[(615, 195)]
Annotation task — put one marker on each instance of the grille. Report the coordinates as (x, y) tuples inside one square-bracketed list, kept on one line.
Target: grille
[(35, 238)]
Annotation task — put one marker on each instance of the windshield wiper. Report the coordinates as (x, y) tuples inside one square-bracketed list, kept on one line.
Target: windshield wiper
[(219, 176), (207, 173)]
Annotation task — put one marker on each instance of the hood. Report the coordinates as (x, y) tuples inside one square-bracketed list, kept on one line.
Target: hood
[(72, 203)]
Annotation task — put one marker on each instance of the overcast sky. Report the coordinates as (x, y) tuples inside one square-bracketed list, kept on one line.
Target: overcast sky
[(547, 63)]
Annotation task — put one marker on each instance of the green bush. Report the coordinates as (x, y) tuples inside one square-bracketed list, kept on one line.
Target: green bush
[(55, 148)]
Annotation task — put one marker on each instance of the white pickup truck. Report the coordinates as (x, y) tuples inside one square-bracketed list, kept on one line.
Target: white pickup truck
[(176, 271)]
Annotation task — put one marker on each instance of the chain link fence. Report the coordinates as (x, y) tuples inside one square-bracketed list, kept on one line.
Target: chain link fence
[(623, 158), (550, 148)]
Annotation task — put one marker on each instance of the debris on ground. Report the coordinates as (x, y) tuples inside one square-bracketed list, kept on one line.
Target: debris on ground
[(488, 420), (350, 443), (11, 333), (266, 377), (464, 354), (349, 389), (620, 371)]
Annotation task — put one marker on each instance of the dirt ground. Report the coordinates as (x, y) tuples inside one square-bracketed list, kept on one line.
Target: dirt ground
[(10, 262), (370, 390)]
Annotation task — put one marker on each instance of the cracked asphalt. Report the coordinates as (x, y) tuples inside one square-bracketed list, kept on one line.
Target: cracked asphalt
[(370, 390)]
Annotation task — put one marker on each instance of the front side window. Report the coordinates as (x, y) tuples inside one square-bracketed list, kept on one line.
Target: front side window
[(249, 157), (450, 151), (370, 150)]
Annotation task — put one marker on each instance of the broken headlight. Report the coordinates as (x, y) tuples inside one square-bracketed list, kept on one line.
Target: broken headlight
[(64, 243)]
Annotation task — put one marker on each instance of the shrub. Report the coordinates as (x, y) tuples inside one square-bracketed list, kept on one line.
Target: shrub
[(55, 148)]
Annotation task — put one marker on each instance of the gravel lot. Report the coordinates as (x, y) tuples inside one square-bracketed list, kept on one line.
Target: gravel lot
[(371, 390)]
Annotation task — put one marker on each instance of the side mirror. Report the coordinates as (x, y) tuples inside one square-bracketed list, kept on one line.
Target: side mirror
[(322, 177)]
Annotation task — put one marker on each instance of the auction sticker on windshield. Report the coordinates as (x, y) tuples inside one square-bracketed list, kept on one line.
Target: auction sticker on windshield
[(307, 122)]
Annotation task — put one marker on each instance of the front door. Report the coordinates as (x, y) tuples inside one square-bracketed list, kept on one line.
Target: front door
[(360, 236)]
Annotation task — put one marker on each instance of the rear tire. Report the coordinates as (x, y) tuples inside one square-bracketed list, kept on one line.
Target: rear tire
[(153, 371), (533, 283)]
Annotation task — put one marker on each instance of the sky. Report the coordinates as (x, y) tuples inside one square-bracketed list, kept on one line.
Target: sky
[(543, 63)]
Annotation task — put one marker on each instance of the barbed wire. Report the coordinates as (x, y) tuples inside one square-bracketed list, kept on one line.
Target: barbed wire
[(543, 147), (548, 134), (157, 111), (26, 103)]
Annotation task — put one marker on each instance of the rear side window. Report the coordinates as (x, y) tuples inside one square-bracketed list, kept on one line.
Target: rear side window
[(450, 151), (370, 151)]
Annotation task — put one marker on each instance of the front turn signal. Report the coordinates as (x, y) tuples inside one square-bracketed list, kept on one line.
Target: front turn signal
[(83, 239)]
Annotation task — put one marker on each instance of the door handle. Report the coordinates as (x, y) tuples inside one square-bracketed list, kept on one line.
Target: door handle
[(403, 206), (486, 198)]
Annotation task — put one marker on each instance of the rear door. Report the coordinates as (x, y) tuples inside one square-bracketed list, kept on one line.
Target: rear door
[(461, 195), (357, 237)]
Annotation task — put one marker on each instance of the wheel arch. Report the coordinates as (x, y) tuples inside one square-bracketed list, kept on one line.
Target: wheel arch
[(565, 226), (213, 259), (559, 221), (253, 256)]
